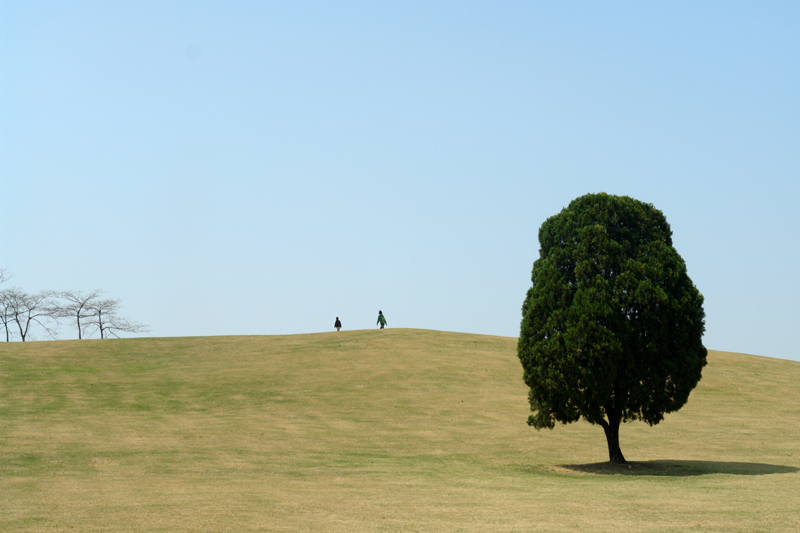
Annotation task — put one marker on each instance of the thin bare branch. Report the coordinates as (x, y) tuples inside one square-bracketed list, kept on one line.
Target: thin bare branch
[(108, 322), (78, 306), (26, 310)]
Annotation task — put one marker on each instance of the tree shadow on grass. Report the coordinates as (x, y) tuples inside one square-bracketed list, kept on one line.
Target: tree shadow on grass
[(667, 467)]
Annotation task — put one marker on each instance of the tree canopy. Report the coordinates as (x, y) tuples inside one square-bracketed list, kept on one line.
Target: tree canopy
[(612, 326)]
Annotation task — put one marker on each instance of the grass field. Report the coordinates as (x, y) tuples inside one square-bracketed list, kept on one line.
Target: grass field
[(393, 430)]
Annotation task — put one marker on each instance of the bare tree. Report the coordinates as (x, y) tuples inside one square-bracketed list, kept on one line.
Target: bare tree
[(108, 322), (79, 306), (4, 306), (5, 312), (26, 310), (44, 309)]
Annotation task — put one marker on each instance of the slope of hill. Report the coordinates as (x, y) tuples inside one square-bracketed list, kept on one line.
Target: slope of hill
[(394, 430)]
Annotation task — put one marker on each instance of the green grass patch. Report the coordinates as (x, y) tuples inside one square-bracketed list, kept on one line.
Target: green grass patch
[(393, 430)]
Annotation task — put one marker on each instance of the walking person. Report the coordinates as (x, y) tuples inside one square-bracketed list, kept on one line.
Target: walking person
[(381, 319), (337, 324)]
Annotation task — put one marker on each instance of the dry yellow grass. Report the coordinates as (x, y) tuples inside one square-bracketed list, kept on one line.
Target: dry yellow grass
[(394, 430)]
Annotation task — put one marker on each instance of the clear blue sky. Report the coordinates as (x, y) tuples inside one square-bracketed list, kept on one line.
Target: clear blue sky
[(264, 167)]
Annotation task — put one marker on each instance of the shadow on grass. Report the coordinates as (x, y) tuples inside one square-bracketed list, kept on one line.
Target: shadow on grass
[(680, 468)]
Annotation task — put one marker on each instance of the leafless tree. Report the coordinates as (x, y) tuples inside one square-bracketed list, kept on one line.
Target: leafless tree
[(4, 306), (5, 312), (108, 322), (26, 310), (78, 306)]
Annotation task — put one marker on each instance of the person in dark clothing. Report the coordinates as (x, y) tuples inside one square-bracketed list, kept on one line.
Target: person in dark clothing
[(337, 324), (381, 319)]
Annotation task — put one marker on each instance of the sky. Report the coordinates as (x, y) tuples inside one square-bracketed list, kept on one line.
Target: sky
[(228, 168)]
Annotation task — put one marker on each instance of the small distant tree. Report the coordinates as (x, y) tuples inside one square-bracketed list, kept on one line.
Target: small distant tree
[(26, 310), (5, 312), (109, 323), (612, 327), (4, 304), (75, 305)]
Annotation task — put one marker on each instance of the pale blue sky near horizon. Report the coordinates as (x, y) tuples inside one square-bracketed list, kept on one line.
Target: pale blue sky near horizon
[(232, 168)]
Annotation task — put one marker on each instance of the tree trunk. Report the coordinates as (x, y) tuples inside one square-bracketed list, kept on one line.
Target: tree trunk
[(612, 436)]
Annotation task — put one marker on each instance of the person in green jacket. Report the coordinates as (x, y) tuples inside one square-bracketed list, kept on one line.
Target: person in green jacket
[(381, 319)]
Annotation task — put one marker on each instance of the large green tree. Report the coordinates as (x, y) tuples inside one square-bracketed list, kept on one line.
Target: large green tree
[(612, 326)]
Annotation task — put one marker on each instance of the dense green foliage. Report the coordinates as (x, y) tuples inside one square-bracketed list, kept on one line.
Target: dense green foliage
[(612, 326)]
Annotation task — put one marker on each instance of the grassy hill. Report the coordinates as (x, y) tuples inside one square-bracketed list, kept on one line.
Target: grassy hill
[(394, 430)]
